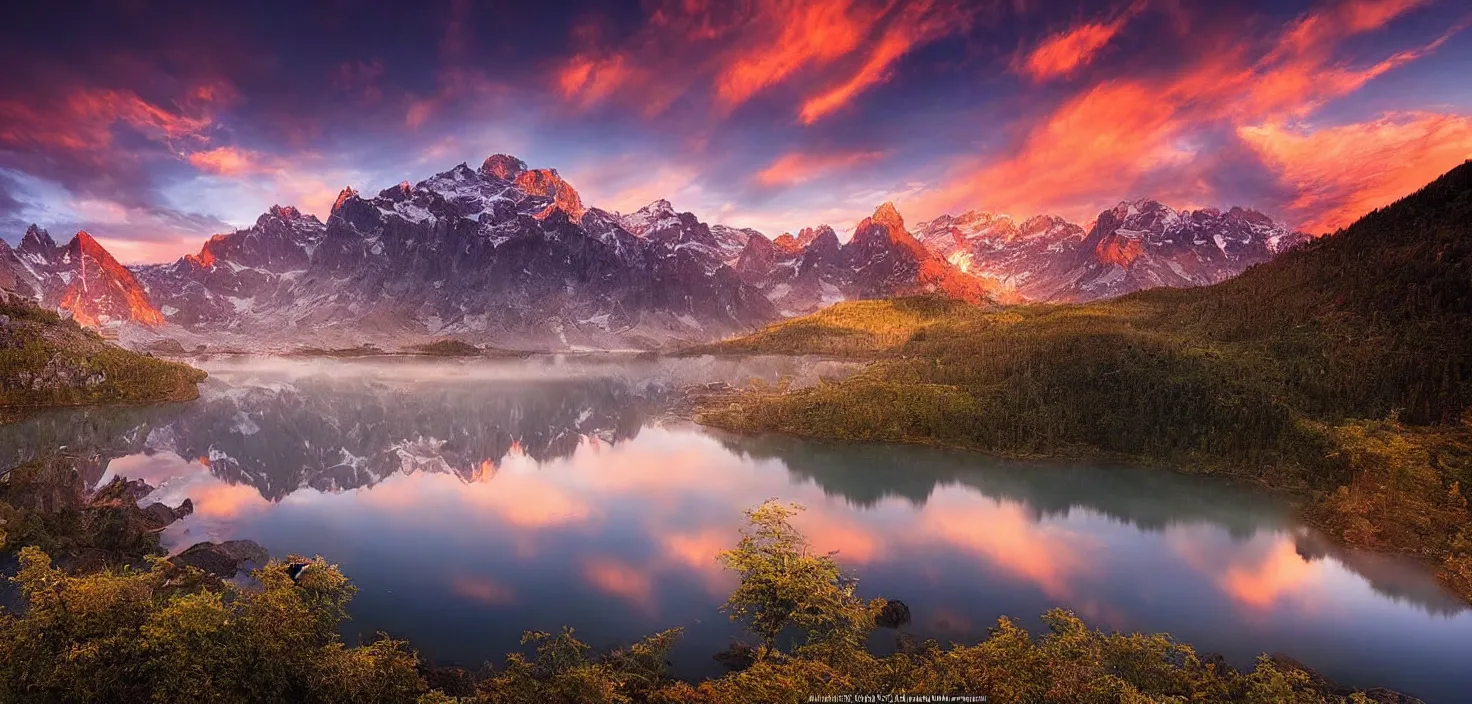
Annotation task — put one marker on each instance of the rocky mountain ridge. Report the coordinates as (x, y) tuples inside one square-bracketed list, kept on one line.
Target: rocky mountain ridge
[(501, 254), (508, 255), (1135, 245), (80, 277)]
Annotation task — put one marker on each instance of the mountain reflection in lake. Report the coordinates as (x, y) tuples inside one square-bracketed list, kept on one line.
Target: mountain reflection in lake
[(473, 500)]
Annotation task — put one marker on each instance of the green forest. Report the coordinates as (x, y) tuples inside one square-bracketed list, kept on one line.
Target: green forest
[(1339, 374)]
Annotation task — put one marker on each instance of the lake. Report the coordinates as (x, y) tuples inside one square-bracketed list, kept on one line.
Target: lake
[(472, 500)]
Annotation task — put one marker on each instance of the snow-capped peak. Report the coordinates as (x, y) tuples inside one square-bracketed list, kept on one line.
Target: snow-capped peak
[(656, 216)]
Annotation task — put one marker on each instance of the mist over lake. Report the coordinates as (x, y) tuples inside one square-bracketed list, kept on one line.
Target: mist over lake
[(472, 500)]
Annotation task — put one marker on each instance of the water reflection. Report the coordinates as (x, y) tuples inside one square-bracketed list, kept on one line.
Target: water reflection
[(472, 501)]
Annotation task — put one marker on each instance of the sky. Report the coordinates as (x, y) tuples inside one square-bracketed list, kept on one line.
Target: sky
[(153, 125)]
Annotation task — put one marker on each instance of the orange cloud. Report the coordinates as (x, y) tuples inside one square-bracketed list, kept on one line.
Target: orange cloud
[(797, 167), (1340, 173), (587, 80), (527, 501), (1258, 575), (917, 24), (1129, 128), (1120, 128), (1300, 73), (514, 497), (819, 33), (226, 161), (855, 543), (741, 50), (83, 119), (697, 552), (697, 549), (1333, 22), (1065, 52)]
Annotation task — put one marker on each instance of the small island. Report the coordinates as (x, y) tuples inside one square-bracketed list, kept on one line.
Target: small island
[(48, 361)]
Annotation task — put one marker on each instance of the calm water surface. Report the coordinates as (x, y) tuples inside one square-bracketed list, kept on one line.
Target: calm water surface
[(470, 501)]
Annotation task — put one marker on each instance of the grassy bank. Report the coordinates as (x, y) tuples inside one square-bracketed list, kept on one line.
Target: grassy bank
[(47, 361), (1339, 374)]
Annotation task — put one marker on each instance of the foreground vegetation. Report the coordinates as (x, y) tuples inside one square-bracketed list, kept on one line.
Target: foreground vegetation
[(1340, 374), (47, 361), (172, 634)]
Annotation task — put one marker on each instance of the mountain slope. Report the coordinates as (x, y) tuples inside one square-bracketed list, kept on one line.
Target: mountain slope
[(804, 273), (499, 254), (80, 277), (1304, 374), (887, 261), (511, 256), (1133, 246)]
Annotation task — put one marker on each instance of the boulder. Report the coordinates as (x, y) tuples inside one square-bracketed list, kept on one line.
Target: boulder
[(121, 490), (158, 516), (895, 613), (222, 559)]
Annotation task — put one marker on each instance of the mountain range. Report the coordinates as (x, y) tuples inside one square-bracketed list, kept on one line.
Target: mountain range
[(508, 255), (1133, 246)]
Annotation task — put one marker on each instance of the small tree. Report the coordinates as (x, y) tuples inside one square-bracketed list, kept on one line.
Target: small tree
[(784, 586)]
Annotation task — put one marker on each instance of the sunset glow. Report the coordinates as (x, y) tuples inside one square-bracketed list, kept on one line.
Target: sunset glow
[(776, 115)]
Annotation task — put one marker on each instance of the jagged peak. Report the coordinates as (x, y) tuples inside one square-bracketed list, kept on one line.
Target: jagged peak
[(37, 238), (84, 243), (503, 166), (548, 183), (658, 206), (288, 215), (460, 172), (887, 215), (813, 231), (342, 197), (398, 191), (1046, 223), (85, 239), (981, 216), (206, 257)]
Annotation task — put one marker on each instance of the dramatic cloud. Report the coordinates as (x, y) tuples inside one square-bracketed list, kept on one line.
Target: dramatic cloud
[(797, 168), (819, 33), (227, 161), (1340, 173), (732, 53), (1065, 52), (154, 130), (915, 24), (1099, 144)]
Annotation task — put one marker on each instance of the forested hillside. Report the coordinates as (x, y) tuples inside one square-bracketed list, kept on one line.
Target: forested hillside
[(47, 361), (1340, 373)]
